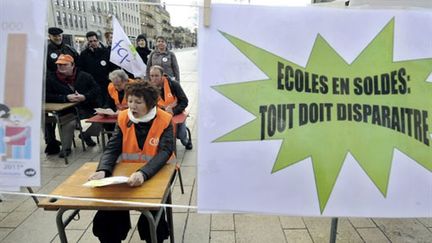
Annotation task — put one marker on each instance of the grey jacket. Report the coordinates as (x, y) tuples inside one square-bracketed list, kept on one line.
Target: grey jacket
[(167, 60)]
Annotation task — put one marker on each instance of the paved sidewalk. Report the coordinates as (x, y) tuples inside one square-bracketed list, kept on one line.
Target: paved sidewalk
[(22, 221)]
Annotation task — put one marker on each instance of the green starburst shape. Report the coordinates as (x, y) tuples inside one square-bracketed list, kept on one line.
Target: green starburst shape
[(325, 136)]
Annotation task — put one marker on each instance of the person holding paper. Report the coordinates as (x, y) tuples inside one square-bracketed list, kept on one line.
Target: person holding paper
[(172, 99), (144, 135)]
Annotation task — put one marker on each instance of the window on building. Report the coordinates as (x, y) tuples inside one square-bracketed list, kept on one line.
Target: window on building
[(67, 4), (74, 5), (70, 20), (94, 18), (56, 2), (62, 3), (58, 17), (85, 22), (100, 19), (75, 21), (65, 23), (80, 21)]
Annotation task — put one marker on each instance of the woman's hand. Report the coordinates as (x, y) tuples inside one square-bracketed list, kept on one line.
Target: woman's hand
[(97, 175), (136, 179)]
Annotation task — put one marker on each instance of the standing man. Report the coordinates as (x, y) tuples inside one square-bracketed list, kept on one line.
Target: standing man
[(95, 60), (172, 99), (57, 47), (108, 39), (165, 58)]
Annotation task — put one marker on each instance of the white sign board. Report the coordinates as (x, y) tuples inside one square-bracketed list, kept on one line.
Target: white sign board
[(22, 44), (315, 112)]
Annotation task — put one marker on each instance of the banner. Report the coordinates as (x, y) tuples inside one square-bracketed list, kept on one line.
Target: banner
[(316, 112), (124, 54), (22, 44)]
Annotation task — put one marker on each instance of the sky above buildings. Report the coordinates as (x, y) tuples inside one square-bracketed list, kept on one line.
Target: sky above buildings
[(185, 12)]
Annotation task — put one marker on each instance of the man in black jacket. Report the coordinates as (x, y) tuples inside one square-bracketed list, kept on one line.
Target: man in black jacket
[(56, 46), (95, 61), (69, 84)]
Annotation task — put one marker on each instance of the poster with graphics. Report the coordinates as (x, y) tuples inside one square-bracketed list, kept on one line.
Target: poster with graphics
[(316, 112), (22, 46)]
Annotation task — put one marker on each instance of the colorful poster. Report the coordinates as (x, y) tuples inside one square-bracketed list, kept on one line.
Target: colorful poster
[(316, 112), (22, 40)]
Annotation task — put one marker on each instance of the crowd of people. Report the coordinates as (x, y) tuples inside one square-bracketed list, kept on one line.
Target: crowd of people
[(145, 106)]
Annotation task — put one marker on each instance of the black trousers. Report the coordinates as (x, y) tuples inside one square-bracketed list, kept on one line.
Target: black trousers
[(113, 226)]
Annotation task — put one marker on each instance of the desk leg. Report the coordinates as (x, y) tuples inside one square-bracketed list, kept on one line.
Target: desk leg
[(103, 132), (61, 225), (152, 225), (170, 218), (78, 120), (59, 126)]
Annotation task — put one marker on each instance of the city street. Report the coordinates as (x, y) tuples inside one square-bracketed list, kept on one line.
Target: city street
[(22, 221)]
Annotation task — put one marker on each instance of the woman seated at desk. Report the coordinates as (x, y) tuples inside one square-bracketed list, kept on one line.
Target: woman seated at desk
[(145, 135)]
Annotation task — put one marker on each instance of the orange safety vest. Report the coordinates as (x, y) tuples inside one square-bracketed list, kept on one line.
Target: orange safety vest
[(131, 153), (170, 99), (112, 91)]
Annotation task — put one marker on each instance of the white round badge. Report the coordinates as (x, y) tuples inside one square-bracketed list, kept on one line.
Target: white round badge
[(53, 55), (164, 59), (103, 63)]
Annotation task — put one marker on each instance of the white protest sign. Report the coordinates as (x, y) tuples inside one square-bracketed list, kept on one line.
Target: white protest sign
[(315, 112)]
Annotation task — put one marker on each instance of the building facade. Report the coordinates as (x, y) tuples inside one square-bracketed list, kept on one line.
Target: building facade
[(77, 17)]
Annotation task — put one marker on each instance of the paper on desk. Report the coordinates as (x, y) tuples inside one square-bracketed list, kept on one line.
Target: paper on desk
[(106, 181), (103, 111)]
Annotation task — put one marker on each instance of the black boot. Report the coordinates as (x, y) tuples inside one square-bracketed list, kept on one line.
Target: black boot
[(88, 140)]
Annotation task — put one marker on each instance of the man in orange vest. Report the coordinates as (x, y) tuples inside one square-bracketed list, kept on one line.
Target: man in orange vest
[(145, 135), (117, 98), (172, 99)]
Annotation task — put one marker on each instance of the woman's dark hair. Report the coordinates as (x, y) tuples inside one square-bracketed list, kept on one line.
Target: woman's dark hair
[(146, 90)]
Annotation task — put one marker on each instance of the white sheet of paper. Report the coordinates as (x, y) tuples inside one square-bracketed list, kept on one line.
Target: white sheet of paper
[(103, 111), (107, 181)]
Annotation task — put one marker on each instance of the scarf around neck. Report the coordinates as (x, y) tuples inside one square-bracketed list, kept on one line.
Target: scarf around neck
[(146, 118), (70, 80)]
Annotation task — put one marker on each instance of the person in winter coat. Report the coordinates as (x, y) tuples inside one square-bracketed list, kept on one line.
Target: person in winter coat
[(69, 84), (165, 58), (138, 127), (142, 48)]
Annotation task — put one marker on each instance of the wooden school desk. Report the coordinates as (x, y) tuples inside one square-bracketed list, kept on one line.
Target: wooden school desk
[(56, 110), (155, 190), (103, 119)]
